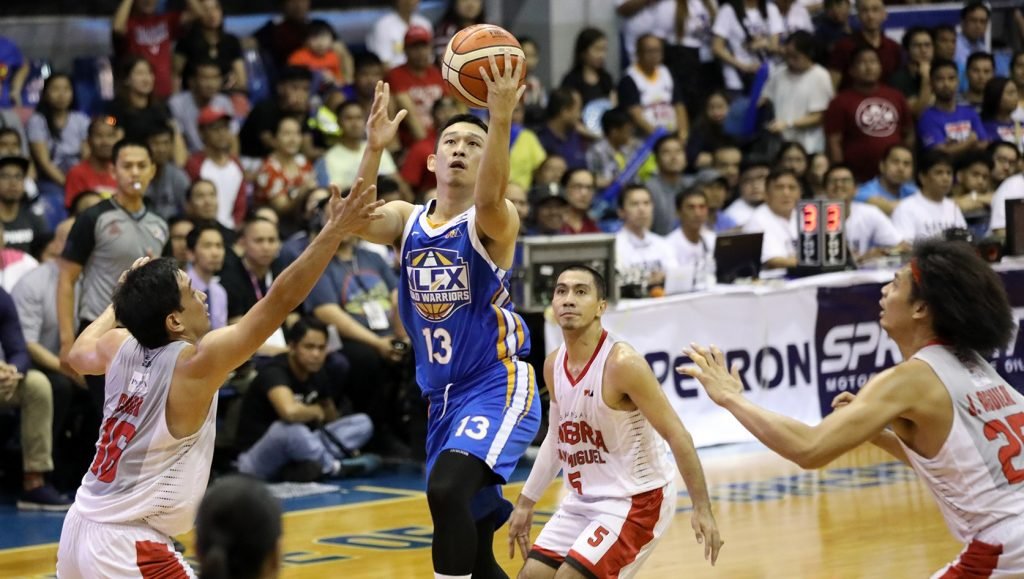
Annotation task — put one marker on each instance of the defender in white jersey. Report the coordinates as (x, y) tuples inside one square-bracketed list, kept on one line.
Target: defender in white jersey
[(944, 410), (162, 374), (608, 427)]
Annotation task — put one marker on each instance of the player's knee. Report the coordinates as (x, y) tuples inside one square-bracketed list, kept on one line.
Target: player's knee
[(444, 491), (534, 569)]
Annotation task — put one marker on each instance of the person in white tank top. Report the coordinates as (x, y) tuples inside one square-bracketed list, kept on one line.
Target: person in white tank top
[(944, 410), (608, 427), (163, 370)]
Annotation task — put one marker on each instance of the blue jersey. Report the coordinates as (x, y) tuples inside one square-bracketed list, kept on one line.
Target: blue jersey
[(454, 302)]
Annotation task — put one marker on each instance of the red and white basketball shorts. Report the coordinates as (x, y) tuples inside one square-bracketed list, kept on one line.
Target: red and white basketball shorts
[(93, 550), (606, 537), (997, 552)]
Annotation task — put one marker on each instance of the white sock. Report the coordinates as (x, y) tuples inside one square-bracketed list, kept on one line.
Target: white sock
[(443, 576)]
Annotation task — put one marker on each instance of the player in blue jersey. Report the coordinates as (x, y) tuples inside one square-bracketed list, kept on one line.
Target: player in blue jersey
[(456, 252)]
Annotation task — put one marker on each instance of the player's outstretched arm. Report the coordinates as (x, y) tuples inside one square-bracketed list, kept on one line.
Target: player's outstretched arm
[(885, 440), (885, 397), (223, 350), (628, 372), (545, 469), (496, 216)]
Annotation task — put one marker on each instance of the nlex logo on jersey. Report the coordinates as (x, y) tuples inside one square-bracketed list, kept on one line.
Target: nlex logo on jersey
[(438, 282)]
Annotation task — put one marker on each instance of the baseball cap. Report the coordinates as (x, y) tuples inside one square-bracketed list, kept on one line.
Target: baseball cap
[(15, 160), (212, 114), (543, 193), (417, 34)]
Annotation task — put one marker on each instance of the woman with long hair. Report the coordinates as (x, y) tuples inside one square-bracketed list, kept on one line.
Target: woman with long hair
[(458, 15), (57, 135), (588, 75), (708, 132), (999, 101), (792, 156), (238, 531), (135, 107)]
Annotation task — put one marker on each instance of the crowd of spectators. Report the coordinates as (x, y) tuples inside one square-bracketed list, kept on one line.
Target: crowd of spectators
[(723, 117)]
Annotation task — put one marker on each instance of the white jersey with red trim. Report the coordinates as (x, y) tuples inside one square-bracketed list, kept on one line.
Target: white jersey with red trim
[(977, 477), (141, 473), (605, 452)]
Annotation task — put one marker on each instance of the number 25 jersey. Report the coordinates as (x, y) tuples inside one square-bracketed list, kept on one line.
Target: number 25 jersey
[(454, 302)]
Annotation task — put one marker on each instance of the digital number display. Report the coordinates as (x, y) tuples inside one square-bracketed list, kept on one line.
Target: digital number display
[(833, 218), (810, 218)]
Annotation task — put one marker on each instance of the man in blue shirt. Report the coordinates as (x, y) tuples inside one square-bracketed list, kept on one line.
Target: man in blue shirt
[(947, 126), (974, 19), (895, 180)]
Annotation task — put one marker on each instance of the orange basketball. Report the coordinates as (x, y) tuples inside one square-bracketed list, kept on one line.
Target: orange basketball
[(468, 51)]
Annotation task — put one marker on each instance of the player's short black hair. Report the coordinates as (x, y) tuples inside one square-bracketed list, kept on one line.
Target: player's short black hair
[(200, 228), (969, 305), (685, 194), (148, 295), (600, 284), (461, 118), (304, 325), (624, 194), (238, 526)]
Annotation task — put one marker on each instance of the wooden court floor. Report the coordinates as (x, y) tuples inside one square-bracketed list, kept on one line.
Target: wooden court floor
[(864, 516)]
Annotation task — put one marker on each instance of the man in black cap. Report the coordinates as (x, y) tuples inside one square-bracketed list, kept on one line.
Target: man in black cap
[(548, 206), (20, 225)]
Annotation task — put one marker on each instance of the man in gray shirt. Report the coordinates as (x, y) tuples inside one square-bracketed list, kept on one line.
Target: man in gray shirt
[(204, 86), (104, 242)]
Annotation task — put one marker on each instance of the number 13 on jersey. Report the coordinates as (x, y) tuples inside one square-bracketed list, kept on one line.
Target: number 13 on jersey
[(439, 345)]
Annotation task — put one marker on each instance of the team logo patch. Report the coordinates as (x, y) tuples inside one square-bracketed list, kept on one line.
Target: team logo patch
[(438, 282), (877, 117)]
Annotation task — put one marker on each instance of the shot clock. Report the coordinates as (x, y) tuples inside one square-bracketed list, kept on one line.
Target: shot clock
[(820, 243)]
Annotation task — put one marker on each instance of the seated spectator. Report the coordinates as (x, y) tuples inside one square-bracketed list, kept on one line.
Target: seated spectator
[(13, 145), (458, 15), (794, 157), (868, 231), (665, 185), (526, 153), (166, 193), (913, 79), (177, 240), (55, 135), (201, 205), (693, 243), (947, 126), (776, 218), (204, 90), (369, 70), (318, 55), (208, 39), (414, 168), (974, 20), (29, 390), (1011, 188), (291, 98), (980, 69), (340, 164), (136, 107), (588, 75), (550, 171), (517, 195), (744, 38), (286, 175), (416, 85), (205, 252), (312, 217), (708, 132), (753, 183), (386, 37), (535, 99), (799, 92), (289, 415), (217, 164), (608, 157), (139, 30), (872, 16), (560, 135), (893, 183), (642, 257), (1000, 103), (1005, 159), (579, 192), (95, 172), (972, 188), (944, 36), (727, 159), (716, 189), (282, 36), (930, 211), (20, 225), (548, 208), (650, 95), (248, 279), (831, 25), (859, 137)]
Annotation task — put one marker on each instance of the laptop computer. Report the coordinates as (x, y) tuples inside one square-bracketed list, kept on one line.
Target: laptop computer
[(738, 256), (1015, 226)]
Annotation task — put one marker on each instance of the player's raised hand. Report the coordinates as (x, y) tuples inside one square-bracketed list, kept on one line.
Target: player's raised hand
[(710, 370), (355, 211), (706, 530), (380, 129), (519, 526), (503, 90)]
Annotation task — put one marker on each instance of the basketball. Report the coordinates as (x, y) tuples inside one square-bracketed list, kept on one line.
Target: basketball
[(468, 51)]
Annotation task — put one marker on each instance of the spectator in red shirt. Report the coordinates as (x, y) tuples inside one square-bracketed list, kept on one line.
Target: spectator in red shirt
[(864, 120), (95, 172), (579, 192), (414, 169), (872, 15), (416, 85), (138, 29), (218, 165)]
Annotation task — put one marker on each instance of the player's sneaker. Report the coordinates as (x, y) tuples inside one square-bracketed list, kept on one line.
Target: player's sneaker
[(44, 498)]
